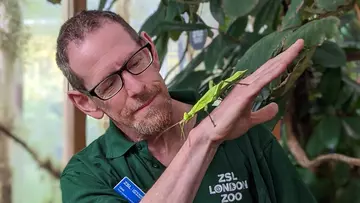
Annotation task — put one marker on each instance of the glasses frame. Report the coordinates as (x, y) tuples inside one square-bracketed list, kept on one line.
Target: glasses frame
[(119, 72)]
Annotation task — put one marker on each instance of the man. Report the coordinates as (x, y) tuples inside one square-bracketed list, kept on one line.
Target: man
[(115, 71)]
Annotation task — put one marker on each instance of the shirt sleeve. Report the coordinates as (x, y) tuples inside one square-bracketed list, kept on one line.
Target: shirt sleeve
[(287, 183), (80, 187)]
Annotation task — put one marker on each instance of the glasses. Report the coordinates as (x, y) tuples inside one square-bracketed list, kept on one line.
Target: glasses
[(136, 65)]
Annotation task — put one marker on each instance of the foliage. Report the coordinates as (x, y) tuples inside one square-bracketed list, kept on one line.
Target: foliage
[(319, 85), (319, 92)]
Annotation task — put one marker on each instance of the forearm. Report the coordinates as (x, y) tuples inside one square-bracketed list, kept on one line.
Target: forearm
[(182, 178)]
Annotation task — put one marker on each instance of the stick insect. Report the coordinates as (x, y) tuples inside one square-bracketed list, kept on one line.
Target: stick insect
[(209, 97)]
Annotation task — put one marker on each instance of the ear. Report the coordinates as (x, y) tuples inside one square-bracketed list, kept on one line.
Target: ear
[(145, 36), (85, 104)]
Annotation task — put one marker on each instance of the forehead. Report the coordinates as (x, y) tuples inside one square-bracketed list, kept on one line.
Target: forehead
[(90, 59)]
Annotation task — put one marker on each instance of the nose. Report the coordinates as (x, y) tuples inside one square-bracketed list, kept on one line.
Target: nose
[(132, 85)]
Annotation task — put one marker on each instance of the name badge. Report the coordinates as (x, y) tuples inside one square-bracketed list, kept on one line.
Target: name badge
[(129, 190)]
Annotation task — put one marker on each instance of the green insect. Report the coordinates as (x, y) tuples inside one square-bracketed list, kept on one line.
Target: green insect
[(209, 97)]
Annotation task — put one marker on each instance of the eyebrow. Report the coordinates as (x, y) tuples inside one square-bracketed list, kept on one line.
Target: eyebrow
[(118, 62)]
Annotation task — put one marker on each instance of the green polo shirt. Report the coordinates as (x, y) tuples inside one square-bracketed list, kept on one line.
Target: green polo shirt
[(252, 168)]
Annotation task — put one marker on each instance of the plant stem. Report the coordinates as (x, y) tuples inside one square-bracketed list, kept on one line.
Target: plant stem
[(45, 164)]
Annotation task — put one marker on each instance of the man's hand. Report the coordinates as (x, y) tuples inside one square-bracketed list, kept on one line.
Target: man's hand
[(233, 117), (180, 181)]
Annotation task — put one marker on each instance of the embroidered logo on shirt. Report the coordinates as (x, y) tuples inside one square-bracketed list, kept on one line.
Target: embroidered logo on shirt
[(229, 187)]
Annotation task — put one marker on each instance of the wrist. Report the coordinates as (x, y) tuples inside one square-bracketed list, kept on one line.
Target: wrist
[(201, 137)]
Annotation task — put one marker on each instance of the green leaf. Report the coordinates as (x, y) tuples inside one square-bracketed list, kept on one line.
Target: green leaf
[(161, 43), (175, 34), (165, 26), (330, 85), (217, 12), (211, 53), (298, 70), (248, 39), (320, 187), (325, 135), (350, 192), (258, 9), (344, 96), (329, 55), (341, 174), (193, 80), (171, 11), (351, 83), (237, 28), (267, 16), (153, 20), (292, 17), (274, 43), (174, 9), (189, 69), (54, 1), (281, 102), (352, 126), (101, 5), (307, 176), (236, 8), (331, 132), (315, 32), (261, 51), (216, 50), (331, 5)]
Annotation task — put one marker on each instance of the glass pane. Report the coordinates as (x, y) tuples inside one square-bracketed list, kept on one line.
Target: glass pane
[(39, 102)]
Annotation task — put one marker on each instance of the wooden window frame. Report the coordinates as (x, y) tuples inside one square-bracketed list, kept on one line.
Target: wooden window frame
[(75, 120)]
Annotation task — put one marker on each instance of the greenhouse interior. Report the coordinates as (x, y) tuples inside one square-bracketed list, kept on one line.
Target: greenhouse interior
[(315, 152)]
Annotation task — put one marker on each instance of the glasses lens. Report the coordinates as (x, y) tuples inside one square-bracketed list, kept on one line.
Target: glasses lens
[(109, 87), (140, 61)]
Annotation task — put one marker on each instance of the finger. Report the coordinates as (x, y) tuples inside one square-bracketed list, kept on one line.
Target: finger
[(285, 57), (264, 114), (272, 65), (290, 53), (260, 71), (278, 67), (272, 69)]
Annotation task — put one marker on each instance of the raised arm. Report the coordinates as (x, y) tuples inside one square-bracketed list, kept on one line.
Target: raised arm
[(180, 181)]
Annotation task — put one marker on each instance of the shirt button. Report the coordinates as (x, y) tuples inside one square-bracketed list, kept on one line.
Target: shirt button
[(155, 165), (139, 147)]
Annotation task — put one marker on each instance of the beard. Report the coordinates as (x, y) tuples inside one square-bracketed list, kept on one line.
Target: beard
[(156, 118)]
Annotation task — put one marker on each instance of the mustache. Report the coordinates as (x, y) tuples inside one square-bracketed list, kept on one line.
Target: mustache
[(143, 98)]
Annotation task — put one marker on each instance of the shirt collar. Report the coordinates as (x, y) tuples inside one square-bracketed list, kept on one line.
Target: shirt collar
[(117, 144)]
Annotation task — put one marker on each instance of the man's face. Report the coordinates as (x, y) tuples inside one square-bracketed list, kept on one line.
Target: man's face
[(143, 105)]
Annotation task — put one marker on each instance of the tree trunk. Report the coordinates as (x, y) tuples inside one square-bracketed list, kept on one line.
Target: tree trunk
[(5, 173), (6, 118)]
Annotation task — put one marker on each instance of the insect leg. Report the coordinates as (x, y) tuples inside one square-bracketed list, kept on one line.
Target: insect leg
[(206, 110), (238, 83)]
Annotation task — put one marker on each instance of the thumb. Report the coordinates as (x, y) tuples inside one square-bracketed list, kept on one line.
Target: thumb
[(264, 114)]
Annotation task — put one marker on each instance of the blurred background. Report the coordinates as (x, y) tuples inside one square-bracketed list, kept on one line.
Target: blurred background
[(318, 124)]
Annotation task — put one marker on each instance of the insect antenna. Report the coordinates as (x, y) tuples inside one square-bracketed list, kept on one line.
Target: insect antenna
[(178, 123)]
